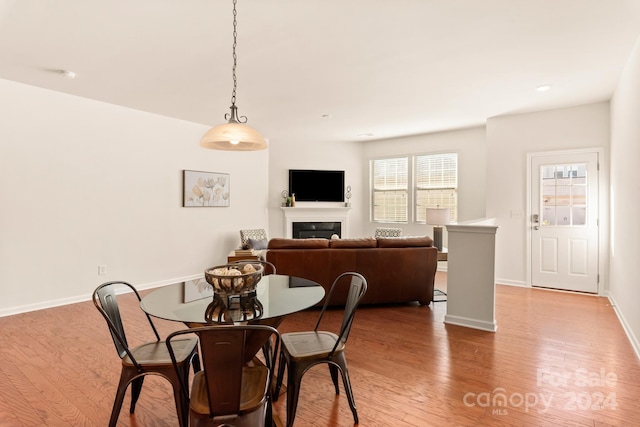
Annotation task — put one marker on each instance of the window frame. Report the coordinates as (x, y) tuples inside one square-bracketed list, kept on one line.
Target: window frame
[(412, 192), (448, 190), (402, 192)]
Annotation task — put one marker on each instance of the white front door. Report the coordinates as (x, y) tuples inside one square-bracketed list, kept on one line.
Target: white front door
[(564, 221)]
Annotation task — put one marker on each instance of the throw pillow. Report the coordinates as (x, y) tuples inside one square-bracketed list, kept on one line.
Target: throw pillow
[(258, 244)]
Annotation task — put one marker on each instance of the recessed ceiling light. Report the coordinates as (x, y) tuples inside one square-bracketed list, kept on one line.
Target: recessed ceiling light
[(68, 74), (365, 135), (543, 88)]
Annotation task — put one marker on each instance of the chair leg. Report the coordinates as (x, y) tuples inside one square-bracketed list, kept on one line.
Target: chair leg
[(117, 402), (136, 388), (184, 394), (293, 390), (347, 387), (333, 369), (268, 422), (281, 364), (182, 404)]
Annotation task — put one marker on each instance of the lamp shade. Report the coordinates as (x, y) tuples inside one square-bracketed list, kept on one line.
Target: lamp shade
[(233, 136), (438, 216)]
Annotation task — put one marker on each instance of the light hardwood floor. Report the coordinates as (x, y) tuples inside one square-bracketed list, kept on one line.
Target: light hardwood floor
[(557, 358)]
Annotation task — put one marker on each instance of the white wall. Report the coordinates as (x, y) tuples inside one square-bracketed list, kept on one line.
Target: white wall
[(509, 139), (625, 198), (85, 183), (346, 156), (470, 144)]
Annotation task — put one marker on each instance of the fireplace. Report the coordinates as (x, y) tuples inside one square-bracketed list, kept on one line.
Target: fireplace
[(307, 230), (316, 215)]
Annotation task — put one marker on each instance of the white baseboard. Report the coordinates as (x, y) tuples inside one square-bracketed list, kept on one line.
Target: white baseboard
[(82, 298), (42, 305), (518, 283), (471, 323), (635, 343)]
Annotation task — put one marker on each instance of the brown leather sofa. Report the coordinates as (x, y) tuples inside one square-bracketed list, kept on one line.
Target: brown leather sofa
[(397, 269)]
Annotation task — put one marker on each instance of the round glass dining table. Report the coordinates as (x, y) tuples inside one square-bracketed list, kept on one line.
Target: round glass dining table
[(278, 295)]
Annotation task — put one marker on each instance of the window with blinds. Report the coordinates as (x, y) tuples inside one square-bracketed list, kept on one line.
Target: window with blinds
[(436, 184), (390, 181)]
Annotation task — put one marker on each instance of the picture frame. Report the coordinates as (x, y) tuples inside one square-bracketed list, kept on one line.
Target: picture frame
[(205, 189), (196, 289)]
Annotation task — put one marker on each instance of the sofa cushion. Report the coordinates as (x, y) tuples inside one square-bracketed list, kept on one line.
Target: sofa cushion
[(404, 242), (279, 243), (257, 244), (366, 242)]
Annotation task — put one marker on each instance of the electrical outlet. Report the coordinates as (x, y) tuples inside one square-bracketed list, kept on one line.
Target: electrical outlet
[(102, 270)]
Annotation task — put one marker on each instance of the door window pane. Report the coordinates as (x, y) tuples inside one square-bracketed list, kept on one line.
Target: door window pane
[(549, 194), (563, 194), (579, 195), (563, 215), (549, 215), (579, 215)]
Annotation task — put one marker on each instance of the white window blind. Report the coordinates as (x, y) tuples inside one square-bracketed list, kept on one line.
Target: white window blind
[(390, 189), (436, 184)]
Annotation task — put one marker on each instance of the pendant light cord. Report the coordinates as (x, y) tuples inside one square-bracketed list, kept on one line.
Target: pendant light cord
[(234, 135), (235, 57), (233, 116)]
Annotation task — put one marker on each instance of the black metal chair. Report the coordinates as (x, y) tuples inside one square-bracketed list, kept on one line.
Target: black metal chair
[(302, 350), (228, 390), (145, 359)]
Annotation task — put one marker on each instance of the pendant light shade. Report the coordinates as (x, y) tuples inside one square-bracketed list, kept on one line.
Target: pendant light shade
[(235, 135)]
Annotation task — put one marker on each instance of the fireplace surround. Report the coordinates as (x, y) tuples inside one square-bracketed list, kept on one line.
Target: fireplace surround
[(316, 215), (313, 229)]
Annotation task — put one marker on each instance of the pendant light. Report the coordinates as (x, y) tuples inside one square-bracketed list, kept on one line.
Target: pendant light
[(235, 135)]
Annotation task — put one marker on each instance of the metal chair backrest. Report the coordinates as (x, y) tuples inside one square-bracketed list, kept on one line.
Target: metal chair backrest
[(222, 352), (105, 300), (357, 289)]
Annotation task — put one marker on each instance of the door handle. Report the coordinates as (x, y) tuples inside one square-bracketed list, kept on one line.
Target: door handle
[(535, 219)]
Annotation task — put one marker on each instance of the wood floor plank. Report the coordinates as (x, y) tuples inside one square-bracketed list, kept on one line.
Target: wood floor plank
[(15, 409), (408, 368)]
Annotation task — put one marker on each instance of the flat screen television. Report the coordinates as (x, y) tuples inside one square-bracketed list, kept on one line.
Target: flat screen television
[(316, 185)]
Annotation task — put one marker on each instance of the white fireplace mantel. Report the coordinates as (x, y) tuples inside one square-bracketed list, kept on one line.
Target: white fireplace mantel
[(315, 214)]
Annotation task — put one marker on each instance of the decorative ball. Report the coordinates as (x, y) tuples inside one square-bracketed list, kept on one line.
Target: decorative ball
[(235, 278)]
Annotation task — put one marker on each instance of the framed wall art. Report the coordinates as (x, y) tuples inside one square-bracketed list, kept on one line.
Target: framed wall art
[(205, 189)]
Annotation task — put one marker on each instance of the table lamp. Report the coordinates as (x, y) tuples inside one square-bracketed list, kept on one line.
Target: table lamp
[(438, 217)]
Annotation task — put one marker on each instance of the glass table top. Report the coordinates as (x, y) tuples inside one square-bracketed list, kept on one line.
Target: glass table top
[(278, 296)]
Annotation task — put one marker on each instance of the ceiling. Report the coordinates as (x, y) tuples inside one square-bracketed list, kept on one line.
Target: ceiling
[(324, 70)]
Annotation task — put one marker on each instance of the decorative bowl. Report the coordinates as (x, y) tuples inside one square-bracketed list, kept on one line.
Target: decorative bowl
[(234, 279)]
